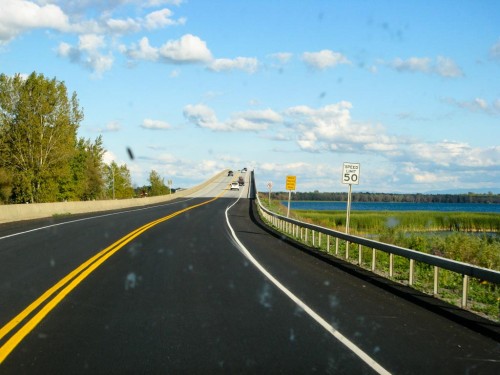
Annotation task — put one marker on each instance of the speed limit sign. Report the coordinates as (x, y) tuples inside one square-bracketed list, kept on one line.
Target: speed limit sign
[(350, 174)]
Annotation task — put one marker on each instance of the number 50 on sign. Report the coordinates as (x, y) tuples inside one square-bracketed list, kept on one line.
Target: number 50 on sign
[(350, 174)]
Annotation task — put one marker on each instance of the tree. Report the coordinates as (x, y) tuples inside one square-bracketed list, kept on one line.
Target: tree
[(157, 184), (87, 170), (5, 185), (117, 181), (38, 132)]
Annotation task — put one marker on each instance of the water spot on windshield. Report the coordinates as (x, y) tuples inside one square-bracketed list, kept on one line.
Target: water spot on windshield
[(392, 222), (333, 301), (265, 296), (133, 249), (292, 335), (299, 311), (131, 281)]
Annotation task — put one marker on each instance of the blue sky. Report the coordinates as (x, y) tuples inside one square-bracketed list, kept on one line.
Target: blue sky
[(408, 89)]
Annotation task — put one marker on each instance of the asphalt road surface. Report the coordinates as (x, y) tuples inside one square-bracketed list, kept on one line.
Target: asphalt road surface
[(198, 285)]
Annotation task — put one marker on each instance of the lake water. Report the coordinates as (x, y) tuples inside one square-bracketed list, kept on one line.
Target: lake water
[(383, 206)]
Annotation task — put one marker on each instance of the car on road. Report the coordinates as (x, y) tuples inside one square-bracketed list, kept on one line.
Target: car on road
[(235, 186), (230, 173)]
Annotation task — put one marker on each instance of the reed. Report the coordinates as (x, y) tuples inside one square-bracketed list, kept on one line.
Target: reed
[(362, 222)]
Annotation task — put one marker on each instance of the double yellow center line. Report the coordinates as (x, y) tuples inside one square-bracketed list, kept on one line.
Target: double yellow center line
[(59, 291)]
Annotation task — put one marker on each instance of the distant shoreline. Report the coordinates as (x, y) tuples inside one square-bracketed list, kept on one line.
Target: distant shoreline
[(489, 198)]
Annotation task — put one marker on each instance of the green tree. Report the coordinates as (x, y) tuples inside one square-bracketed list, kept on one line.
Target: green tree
[(117, 181), (38, 132), (5, 185), (87, 170), (157, 184)]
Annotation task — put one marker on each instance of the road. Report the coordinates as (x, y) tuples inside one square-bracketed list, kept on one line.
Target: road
[(197, 285)]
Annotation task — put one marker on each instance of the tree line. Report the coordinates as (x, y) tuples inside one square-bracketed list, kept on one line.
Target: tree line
[(390, 197), (42, 159)]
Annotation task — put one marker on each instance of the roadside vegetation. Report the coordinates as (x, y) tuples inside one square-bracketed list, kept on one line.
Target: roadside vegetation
[(42, 159), (466, 237)]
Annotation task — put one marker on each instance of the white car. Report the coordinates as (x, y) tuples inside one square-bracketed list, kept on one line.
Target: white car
[(235, 186)]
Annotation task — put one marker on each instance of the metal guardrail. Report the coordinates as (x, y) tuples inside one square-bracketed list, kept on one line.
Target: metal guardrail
[(298, 229)]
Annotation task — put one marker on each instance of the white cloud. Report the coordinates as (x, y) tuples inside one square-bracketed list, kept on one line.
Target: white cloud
[(453, 154), (413, 64), (160, 19), (88, 53), (187, 49), (205, 117), (324, 59), (446, 67), (265, 116), (282, 57), (155, 124), (94, 50), (330, 128), (18, 16), (108, 157), (202, 116), (427, 177), (112, 126), (443, 66), (119, 26), (247, 64), (91, 42), (142, 51), (477, 105)]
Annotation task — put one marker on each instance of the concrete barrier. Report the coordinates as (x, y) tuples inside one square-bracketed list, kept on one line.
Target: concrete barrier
[(17, 212)]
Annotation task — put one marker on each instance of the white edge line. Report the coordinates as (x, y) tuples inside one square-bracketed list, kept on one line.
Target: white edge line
[(328, 327)]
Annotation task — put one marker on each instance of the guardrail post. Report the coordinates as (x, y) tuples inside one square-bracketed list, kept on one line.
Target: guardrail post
[(312, 234), (360, 255), (336, 246), (374, 252), (412, 269), (306, 236), (436, 280), (319, 239), (391, 265), (347, 249), (465, 289), (327, 243)]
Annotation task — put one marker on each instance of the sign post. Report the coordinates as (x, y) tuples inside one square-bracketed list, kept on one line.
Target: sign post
[(291, 182), (269, 187), (350, 176)]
